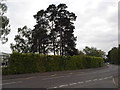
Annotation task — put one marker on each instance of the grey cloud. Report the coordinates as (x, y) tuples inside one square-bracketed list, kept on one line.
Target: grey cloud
[(101, 32)]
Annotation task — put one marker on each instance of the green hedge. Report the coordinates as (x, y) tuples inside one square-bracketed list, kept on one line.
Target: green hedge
[(31, 63)]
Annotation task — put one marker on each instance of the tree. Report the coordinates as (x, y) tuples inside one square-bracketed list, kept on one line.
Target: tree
[(113, 56), (66, 28), (39, 34), (23, 40), (4, 23), (94, 52), (56, 24), (63, 29)]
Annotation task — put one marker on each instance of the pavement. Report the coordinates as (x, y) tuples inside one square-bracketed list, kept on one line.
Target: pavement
[(105, 77)]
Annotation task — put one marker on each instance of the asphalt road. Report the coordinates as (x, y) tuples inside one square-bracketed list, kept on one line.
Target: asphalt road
[(88, 78)]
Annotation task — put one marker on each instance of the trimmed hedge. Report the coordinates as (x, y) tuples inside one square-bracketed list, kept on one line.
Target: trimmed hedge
[(31, 63)]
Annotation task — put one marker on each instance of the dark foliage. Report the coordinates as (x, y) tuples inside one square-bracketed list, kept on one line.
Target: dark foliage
[(54, 31), (114, 55)]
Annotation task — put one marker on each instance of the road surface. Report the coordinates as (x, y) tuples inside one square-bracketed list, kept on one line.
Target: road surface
[(88, 78)]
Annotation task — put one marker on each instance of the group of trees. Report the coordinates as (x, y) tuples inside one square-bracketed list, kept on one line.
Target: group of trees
[(92, 51), (4, 23), (53, 33)]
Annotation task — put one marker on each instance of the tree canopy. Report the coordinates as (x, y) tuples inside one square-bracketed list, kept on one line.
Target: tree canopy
[(23, 40), (4, 23), (113, 55), (92, 51), (54, 31)]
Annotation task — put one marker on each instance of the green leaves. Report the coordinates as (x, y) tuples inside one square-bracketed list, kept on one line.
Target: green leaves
[(94, 52), (113, 55)]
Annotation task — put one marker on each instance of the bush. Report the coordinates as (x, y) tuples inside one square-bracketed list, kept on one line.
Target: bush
[(31, 63)]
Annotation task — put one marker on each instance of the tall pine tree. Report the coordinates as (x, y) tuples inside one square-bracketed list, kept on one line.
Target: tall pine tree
[(65, 27), (39, 33)]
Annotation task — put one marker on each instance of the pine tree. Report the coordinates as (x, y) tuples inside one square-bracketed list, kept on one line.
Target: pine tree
[(65, 26), (39, 34)]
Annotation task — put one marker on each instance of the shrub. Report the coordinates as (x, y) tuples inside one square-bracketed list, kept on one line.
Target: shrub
[(31, 63)]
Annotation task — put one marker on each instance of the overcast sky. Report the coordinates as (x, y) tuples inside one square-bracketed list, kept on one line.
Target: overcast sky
[(96, 24)]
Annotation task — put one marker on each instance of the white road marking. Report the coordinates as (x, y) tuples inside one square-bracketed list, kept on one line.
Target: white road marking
[(95, 79), (101, 79), (108, 77), (54, 77), (72, 83), (63, 85), (105, 78), (29, 77), (80, 82), (84, 81), (116, 84), (88, 81), (54, 87), (11, 83)]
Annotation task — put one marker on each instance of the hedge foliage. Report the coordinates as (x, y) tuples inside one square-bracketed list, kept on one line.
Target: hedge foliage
[(30, 63)]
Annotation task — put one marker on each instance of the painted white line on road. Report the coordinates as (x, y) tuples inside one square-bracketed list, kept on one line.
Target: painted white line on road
[(11, 83), (88, 81), (52, 87), (83, 82), (107, 77), (29, 77), (80, 82), (72, 83), (110, 76), (55, 77), (63, 85), (55, 87), (101, 79), (114, 81), (95, 79)]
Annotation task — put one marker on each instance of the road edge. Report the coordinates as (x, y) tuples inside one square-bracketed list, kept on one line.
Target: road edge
[(8, 77)]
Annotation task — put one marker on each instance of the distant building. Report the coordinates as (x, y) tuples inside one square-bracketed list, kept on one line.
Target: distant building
[(4, 59)]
